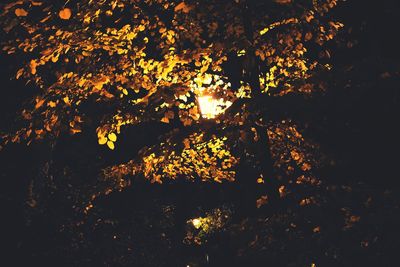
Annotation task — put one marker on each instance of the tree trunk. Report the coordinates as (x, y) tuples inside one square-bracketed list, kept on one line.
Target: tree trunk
[(263, 152)]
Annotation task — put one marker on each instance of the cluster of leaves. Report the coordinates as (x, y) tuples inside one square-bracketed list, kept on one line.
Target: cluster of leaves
[(108, 64)]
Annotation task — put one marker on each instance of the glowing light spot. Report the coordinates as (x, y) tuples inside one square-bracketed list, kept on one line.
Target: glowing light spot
[(196, 223), (208, 107), (211, 107)]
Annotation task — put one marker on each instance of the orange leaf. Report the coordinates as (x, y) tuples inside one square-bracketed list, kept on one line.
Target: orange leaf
[(65, 13), (39, 103), (36, 3), (182, 6), (20, 12)]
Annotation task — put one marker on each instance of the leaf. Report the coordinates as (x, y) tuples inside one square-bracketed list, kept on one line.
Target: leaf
[(182, 6), (19, 73), (75, 130), (262, 201), (65, 13), (112, 137), (39, 103), (36, 3), (66, 100), (32, 66), (52, 104), (165, 120), (20, 12), (110, 145), (102, 140)]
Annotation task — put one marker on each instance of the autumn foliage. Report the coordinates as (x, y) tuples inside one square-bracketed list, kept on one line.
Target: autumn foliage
[(172, 126), (140, 61)]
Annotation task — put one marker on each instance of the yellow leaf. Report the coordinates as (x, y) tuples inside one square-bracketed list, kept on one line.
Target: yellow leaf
[(65, 13), (54, 58), (51, 104), (66, 100), (110, 145), (20, 12), (112, 137), (102, 140)]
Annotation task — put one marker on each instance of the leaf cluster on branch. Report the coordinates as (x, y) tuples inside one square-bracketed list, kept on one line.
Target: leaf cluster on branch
[(111, 64)]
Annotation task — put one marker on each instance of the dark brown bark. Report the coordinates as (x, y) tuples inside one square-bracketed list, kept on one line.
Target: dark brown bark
[(252, 70)]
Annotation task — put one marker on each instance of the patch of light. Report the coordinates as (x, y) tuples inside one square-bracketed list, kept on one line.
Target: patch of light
[(196, 223), (211, 107)]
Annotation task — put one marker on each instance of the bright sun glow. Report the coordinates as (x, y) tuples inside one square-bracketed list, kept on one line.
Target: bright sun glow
[(211, 107)]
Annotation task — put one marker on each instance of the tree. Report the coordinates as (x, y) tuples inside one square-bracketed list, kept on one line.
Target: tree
[(107, 65)]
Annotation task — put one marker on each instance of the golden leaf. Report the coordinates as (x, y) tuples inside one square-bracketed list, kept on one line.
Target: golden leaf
[(65, 13), (112, 137), (110, 145), (51, 104), (66, 100), (20, 12), (54, 58), (102, 140)]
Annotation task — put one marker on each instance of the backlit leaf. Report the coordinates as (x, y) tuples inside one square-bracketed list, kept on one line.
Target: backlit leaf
[(65, 13), (20, 12), (102, 140), (182, 6), (110, 145), (112, 137)]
